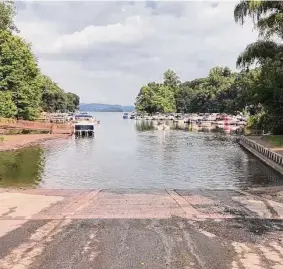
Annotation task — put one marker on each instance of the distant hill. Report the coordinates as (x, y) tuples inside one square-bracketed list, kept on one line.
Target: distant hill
[(105, 108)]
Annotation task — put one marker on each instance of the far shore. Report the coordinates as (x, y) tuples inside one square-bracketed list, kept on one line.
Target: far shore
[(14, 142)]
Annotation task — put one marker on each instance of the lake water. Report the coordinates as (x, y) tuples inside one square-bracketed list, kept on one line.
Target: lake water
[(125, 154)]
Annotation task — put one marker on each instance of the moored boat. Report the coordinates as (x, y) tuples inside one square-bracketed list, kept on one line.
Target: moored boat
[(132, 116), (83, 116), (125, 115), (84, 128)]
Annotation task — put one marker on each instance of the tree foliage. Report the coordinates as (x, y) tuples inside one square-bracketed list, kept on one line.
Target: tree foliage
[(25, 91), (266, 15), (7, 107), (221, 91), (159, 97), (7, 14), (268, 54)]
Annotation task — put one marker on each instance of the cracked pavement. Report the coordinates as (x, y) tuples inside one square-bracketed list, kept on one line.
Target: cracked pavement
[(150, 229)]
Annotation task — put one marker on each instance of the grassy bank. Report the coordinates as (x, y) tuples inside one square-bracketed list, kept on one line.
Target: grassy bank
[(275, 140)]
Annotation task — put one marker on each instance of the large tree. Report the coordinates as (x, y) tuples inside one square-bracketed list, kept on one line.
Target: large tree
[(268, 54), (24, 91), (18, 73)]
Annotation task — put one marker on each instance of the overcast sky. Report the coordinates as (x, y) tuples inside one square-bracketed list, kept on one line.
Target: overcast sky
[(105, 51)]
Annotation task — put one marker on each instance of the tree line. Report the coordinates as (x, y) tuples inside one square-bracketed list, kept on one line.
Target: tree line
[(24, 91), (258, 90)]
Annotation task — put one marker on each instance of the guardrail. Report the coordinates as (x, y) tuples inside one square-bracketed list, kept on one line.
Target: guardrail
[(273, 156)]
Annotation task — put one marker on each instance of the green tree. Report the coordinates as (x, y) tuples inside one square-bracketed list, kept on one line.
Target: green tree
[(144, 100), (24, 91), (171, 80), (222, 91), (267, 16), (155, 97), (164, 100), (7, 107), (268, 19), (73, 101), (18, 73), (215, 93), (54, 98), (7, 14)]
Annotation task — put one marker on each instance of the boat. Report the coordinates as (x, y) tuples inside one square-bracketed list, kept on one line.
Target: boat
[(220, 123), (138, 117), (132, 116), (125, 115), (83, 116), (84, 128), (187, 119), (155, 117), (170, 117)]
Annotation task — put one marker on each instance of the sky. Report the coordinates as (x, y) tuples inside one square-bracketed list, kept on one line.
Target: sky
[(105, 51)]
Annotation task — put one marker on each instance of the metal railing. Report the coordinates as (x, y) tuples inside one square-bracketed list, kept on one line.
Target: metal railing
[(273, 156)]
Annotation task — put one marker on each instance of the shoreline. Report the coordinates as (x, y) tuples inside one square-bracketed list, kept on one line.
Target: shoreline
[(15, 142), (264, 151), (267, 144)]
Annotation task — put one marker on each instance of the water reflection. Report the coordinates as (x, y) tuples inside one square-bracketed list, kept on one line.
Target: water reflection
[(145, 125), (21, 168)]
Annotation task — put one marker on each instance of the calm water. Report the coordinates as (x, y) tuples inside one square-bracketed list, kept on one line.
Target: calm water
[(126, 155)]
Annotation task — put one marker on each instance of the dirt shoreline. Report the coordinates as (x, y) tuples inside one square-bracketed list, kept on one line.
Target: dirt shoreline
[(14, 142)]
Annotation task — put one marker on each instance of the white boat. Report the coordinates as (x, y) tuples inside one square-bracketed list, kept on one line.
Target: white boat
[(211, 118), (220, 123), (132, 116), (155, 117), (83, 116), (84, 128), (170, 117), (187, 119), (138, 117), (125, 115)]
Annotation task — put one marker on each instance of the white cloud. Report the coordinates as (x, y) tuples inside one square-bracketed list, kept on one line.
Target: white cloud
[(105, 51), (133, 30)]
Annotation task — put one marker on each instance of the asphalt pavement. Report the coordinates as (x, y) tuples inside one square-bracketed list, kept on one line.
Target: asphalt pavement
[(146, 229)]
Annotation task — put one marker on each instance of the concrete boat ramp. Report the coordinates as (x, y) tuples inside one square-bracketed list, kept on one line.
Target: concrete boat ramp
[(146, 229)]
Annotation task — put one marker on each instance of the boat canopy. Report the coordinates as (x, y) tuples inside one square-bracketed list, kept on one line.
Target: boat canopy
[(83, 116)]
